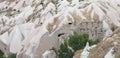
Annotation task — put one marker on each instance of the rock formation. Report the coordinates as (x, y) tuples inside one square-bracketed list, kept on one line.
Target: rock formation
[(28, 28)]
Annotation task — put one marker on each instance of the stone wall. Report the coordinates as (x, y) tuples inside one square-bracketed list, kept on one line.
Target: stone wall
[(93, 28)]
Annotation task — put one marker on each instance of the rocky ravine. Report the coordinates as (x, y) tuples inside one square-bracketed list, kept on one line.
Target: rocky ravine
[(28, 28)]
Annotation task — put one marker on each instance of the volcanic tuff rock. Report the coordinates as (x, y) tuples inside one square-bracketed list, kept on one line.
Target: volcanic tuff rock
[(30, 27)]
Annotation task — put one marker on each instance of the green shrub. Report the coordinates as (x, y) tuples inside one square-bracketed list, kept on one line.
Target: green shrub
[(77, 41), (1, 54), (113, 28), (64, 51), (91, 42), (12, 56)]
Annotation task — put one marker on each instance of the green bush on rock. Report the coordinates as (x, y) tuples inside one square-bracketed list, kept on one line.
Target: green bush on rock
[(76, 42), (65, 52), (10, 56), (1, 54)]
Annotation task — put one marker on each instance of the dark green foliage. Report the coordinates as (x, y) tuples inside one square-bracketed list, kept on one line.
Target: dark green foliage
[(91, 42), (12, 56), (81, 0), (77, 41), (65, 52), (113, 29), (1, 54)]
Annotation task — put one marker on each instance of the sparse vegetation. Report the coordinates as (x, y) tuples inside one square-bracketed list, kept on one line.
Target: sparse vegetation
[(65, 52), (91, 42), (10, 56), (113, 28), (76, 42), (117, 56), (1, 54)]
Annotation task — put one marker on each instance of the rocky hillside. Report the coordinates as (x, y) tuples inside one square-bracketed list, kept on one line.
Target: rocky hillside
[(28, 28), (102, 50)]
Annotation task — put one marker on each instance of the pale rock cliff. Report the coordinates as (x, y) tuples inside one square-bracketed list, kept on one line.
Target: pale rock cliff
[(28, 28)]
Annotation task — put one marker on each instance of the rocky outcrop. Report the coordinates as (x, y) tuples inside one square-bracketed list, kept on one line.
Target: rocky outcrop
[(85, 53), (106, 48), (49, 54), (34, 26), (110, 54)]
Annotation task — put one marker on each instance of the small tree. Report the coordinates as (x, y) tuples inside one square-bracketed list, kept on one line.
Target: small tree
[(77, 41), (64, 51)]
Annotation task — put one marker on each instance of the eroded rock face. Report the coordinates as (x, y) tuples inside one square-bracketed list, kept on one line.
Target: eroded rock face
[(35, 26), (46, 42), (95, 29), (1, 0), (85, 53), (49, 54), (110, 54), (107, 48)]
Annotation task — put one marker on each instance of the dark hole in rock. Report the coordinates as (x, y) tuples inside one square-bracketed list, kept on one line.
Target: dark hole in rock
[(5, 48), (6, 7), (14, 9), (95, 27), (41, 3), (101, 30), (69, 23), (41, 23), (60, 34), (18, 10)]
